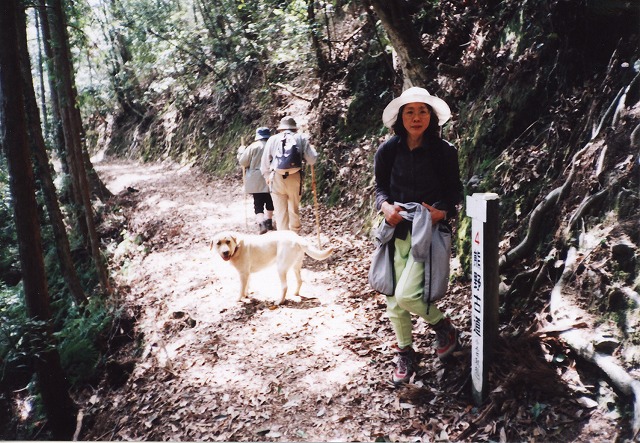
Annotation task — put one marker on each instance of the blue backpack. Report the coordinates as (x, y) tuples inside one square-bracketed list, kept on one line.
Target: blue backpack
[(288, 154)]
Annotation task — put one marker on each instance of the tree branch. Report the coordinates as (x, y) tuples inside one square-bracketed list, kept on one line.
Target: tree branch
[(290, 91)]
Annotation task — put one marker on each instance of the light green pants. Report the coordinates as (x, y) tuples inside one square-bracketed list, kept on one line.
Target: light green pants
[(407, 298)]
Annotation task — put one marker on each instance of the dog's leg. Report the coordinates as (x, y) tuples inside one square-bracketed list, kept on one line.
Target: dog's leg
[(282, 272), (297, 270), (244, 286)]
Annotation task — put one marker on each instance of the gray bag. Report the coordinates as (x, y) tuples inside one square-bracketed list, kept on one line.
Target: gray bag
[(381, 270), (421, 233), (436, 270)]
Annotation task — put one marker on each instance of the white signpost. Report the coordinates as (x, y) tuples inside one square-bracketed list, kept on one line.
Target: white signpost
[(483, 210)]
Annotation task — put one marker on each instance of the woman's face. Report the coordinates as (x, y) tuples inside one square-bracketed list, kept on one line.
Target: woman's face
[(416, 118)]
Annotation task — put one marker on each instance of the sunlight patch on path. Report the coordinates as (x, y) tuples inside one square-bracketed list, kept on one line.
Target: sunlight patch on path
[(249, 356), (123, 175)]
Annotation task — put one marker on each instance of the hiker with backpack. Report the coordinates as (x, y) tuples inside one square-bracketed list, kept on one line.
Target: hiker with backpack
[(417, 181), (250, 159), (282, 167)]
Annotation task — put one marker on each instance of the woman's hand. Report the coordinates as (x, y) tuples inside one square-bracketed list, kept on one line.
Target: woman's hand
[(437, 215), (391, 213)]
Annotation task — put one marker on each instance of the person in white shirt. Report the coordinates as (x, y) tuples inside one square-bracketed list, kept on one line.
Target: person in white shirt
[(250, 158), (282, 167)]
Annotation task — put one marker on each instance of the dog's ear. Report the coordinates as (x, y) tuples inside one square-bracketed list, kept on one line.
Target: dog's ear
[(210, 245)]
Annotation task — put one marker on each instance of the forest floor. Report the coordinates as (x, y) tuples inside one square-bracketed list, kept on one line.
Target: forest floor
[(205, 367)]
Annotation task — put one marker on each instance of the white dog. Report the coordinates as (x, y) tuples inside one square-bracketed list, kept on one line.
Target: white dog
[(250, 253)]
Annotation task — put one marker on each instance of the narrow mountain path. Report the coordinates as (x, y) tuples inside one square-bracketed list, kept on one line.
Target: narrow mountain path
[(210, 367), (205, 367)]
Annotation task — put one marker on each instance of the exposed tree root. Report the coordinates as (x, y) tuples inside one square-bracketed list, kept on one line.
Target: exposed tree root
[(588, 203), (538, 214), (579, 341), (527, 245)]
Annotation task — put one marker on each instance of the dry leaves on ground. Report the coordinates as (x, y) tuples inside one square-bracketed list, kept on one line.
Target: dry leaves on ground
[(205, 367)]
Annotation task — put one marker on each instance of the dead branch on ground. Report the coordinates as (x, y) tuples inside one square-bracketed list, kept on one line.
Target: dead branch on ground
[(292, 92)]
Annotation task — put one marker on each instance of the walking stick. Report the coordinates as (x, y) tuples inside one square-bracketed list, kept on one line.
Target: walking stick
[(244, 189), (315, 201)]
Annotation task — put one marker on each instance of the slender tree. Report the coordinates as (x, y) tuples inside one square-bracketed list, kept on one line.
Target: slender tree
[(122, 75), (44, 171), (397, 23), (43, 95), (52, 384), (316, 37), (70, 193), (72, 129)]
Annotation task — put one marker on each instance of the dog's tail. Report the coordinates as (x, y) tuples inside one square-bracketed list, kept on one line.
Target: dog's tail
[(318, 254)]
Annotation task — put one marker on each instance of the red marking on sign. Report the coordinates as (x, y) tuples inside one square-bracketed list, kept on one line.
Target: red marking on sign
[(477, 239)]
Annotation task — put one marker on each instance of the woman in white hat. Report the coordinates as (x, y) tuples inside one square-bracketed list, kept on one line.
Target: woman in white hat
[(415, 166)]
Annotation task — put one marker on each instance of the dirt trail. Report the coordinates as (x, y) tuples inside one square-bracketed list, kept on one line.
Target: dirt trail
[(211, 368), (205, 367)]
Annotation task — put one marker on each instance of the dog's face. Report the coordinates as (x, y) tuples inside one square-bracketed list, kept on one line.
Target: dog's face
[(225, 244)]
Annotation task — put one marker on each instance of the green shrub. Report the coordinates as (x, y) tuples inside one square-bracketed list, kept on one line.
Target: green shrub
[(21, 339), (80, 338)]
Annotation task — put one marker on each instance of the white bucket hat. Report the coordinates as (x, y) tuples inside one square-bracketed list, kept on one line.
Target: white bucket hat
[(287, 123), (416, 95)]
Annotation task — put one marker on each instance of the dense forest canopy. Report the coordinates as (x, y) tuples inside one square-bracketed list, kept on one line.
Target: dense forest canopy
[(545, 99)]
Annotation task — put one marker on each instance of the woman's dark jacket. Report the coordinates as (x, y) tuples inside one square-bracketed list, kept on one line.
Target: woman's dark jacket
[(428, 174)]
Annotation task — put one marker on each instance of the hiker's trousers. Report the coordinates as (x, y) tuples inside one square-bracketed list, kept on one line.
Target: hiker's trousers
[(285, 193), (262, 201), (407, 298)]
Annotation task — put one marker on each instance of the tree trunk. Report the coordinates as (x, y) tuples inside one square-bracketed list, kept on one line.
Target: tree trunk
[(72, 128), (44, 172), (58, 405), (405, 41), (43, 95), (123, 78), (315, 40), (70, 193), (56, 124), (96, 186), (62, 103)]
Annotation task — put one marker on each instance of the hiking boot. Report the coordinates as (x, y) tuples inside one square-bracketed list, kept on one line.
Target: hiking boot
[(446, 338), (262, 226), (269, 224), (404, 365)]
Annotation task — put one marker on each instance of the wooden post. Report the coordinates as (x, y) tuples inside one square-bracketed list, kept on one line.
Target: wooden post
[(244, 187), (315, 203), (484, 212)]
